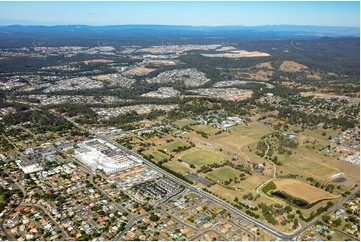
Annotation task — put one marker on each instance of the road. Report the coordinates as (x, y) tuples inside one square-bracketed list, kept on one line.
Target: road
[(274, 166), (341, 232), (9, 237), (90, 179), (338, 206), (130, 223), (197, 190), (207, 231), (191, 188), (47, 213)]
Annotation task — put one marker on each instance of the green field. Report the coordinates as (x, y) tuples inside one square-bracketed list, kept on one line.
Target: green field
[(157, 155), (184, 122), (171, 146), (209, 130), (200, 157), (223, 174)]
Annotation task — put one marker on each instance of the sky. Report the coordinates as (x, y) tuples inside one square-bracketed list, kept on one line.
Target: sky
[(323, 13)]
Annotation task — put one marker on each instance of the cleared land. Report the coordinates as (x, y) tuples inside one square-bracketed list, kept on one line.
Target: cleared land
[(302, 190), (140, 70), (101, 78), (292, 66), (209, 130), (264, 65), (97, 61), (163, 62), (200, 157), (238, 54)]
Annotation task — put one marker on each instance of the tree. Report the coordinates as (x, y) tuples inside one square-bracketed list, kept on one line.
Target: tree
[(153, 218)]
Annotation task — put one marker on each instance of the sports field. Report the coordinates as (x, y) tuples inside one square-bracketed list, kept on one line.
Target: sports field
[(200, 157), (302, 190), (209, 130), (223, 174)]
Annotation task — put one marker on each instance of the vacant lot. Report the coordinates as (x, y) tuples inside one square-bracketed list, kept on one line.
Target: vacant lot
[(200, 157), (302, 190), (209, 130), (223, 174), (183, 122), (172, 146)]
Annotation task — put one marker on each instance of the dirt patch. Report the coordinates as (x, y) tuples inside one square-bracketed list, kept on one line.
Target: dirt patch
[(140, 70), (101, 78), (264, 65), (97, 61)]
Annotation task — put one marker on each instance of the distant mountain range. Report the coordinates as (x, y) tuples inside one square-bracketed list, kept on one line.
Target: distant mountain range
[(277, 30), (148, 35)]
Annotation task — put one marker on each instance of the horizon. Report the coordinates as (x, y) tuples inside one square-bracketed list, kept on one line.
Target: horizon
[(181, 25), (198, 14)]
